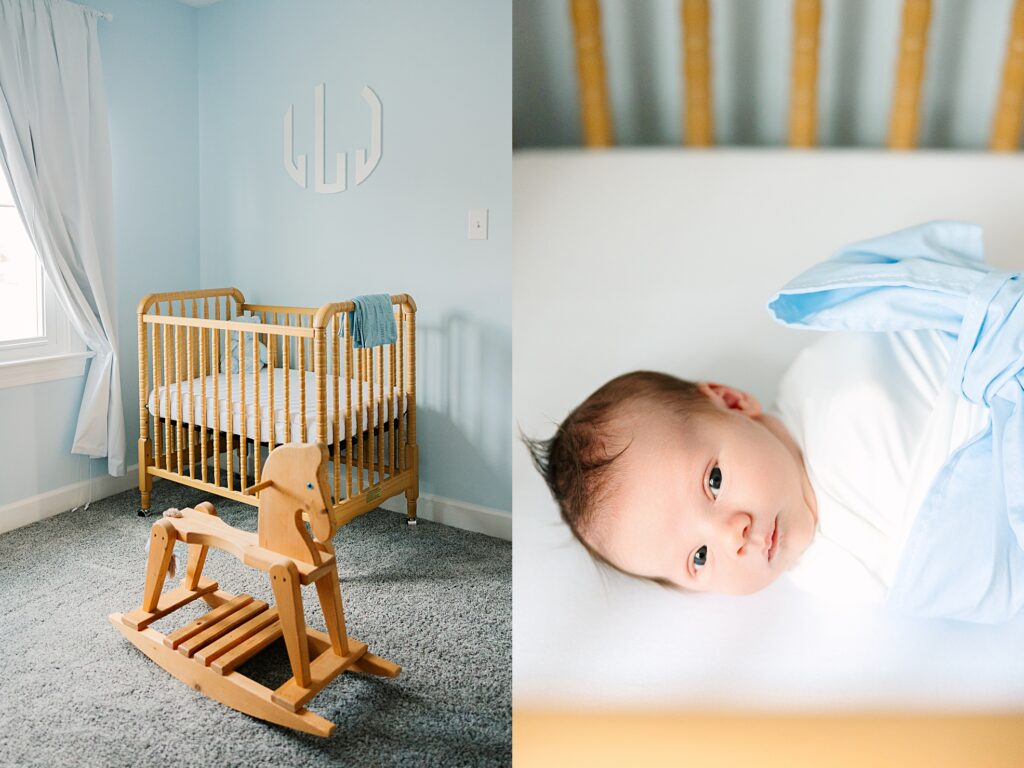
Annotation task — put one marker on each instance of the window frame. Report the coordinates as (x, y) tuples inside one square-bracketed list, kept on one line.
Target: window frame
[(59, 353)]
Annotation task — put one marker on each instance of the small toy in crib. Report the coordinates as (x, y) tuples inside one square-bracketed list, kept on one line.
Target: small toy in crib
[(206, 653)]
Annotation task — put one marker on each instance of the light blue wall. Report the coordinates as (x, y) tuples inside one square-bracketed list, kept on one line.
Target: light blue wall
[(750, 66), (150, 70), (442, 71)]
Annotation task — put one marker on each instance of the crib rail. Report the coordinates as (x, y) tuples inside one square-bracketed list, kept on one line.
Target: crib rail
[(218, 392)]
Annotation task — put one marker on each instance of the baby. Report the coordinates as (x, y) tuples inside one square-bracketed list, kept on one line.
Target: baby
[(691, 485)]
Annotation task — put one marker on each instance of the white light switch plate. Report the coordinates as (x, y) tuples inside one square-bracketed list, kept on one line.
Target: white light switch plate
[(477, 223)]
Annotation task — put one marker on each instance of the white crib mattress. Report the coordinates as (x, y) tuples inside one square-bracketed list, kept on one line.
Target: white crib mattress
[(158, 404)]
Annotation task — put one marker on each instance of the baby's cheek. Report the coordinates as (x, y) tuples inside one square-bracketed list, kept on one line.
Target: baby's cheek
[(748, 582)]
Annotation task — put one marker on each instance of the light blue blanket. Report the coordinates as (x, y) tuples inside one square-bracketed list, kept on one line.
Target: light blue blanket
[(372, 323), (964, 557)]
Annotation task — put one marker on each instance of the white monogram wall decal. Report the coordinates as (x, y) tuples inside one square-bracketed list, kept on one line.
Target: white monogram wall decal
[(365, 161)]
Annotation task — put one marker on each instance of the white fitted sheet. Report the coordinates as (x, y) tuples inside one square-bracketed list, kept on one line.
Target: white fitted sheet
[(159, 400)]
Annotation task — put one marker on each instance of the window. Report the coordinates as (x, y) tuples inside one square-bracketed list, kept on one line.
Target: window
[(37, 342)]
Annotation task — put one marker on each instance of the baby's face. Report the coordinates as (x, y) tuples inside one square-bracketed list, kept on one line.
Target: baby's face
[(720, 504)]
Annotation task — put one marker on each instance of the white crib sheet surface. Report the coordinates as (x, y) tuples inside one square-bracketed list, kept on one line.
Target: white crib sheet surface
[(159, 402)]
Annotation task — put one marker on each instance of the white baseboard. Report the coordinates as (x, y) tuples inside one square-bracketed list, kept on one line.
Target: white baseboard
[(44, 505), (457, 514), (438, 509)]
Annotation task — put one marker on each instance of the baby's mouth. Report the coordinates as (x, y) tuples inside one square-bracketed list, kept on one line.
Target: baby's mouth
[(774, 540)]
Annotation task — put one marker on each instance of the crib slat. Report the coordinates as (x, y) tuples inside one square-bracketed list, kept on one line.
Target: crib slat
[(910, 71), (271, 344), (335, 342), (243, 447), (401, 388), (157, 350), (393, 407), (699, 130), (256, 396), (371, 419), (191, 405), (215, 369), (348, 406), (287, 384), (595, 110), (167, 395), (320, 374), (302, 383), (359, 420), (411, 383), (1006, 125), (230, 447), (380, 414), (178, 372), (202, 390), (803, 96)]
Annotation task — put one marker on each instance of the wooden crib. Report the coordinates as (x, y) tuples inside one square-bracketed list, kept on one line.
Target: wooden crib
[(219, 390)]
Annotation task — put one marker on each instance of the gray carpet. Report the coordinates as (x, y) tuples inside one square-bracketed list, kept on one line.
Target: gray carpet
[(73, 691)]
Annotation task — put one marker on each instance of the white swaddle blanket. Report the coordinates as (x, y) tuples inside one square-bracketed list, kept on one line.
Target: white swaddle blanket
[(875, 420)]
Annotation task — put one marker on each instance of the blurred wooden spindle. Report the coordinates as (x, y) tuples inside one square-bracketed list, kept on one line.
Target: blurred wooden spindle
[(803, 99), (909, 74), (595, 111), (1006, 125), (696, 16)]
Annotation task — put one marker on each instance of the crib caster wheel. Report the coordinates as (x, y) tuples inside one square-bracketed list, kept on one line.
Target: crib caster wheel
[(143, 513), (410, 522)]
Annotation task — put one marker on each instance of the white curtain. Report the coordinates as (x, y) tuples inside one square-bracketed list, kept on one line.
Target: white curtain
[(55, 151)]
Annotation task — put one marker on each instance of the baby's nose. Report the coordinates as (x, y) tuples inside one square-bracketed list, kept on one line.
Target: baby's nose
[(737, 532)]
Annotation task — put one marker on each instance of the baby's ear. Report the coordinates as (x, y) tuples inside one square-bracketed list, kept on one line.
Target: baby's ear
[(730, 398)]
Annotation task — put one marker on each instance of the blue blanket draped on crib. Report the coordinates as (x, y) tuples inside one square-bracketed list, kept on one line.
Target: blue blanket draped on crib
[(372, 323), (964, 557)]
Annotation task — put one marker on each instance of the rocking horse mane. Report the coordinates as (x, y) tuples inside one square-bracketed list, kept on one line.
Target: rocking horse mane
[(296, 477)]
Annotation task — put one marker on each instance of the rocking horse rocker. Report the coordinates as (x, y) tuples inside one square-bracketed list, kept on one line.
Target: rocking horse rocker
[(206, 653)]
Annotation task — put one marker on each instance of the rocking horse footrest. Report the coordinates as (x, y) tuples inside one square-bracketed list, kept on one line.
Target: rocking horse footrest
[(237, 647), (214, 634), (324, 668)]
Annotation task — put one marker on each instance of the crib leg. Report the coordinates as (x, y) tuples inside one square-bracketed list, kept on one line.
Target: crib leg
[(413, 491), (145, 479)]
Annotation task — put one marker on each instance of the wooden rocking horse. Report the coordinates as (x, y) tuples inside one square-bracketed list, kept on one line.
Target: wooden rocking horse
[(206, 653)]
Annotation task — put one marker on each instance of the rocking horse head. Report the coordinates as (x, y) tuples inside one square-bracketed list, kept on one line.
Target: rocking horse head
[(294, 484)]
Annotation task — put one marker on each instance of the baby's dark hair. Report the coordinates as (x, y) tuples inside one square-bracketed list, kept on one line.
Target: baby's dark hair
[(576, 462)]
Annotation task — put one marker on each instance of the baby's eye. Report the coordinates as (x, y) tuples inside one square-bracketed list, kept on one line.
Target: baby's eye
[(700, 557), (715, 481)]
